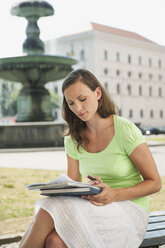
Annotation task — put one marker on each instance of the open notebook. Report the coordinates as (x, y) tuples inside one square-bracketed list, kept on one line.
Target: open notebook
[(64, 186)]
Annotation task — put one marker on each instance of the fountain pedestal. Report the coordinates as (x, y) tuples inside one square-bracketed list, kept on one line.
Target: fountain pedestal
[(34, 104)]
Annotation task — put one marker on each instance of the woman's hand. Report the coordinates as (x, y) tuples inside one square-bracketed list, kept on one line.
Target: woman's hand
[(106, 196)]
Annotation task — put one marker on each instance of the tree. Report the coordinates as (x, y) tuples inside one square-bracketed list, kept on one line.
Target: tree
[(8, 97)]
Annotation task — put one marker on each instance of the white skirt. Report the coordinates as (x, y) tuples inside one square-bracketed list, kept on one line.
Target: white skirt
[(81, 224)]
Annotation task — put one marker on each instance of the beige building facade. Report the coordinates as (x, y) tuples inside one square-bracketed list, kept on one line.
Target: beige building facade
[(129, 66)]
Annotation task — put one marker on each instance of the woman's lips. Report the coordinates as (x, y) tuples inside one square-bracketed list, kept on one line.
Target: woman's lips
[(82, 114)]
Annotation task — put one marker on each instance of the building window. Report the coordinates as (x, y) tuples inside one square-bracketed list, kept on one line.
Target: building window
[(129, 74), (150, 91), (118, 88), (105, 71), (150, 62), (120, 112), (118, 57), (141, 113), (129, 89), (55, 115), (82, 54), (161, 113), (140, 90), (140, 60), (151, 113), (105, 55), (106, 86), (140, 75), (160, 92), (150, 76), (160, 77), (159, 63), (129, 59), (71, 50), (130, 113), (118, 73)]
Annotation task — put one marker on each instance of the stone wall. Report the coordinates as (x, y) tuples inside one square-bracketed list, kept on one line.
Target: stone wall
[(31, 135)]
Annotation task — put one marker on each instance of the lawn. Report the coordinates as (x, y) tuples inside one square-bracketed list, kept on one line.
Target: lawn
[(16, 202)]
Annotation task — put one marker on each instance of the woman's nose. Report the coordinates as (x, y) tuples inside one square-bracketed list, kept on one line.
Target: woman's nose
[(78, 107)]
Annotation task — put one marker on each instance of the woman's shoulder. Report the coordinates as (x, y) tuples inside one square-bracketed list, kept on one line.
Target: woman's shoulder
[(124, 125), (128, 134), (71, 147), (69, 140), (122, 120)]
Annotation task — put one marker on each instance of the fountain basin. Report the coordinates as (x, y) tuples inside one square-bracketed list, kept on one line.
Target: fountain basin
[(35, 69), (33, 8)]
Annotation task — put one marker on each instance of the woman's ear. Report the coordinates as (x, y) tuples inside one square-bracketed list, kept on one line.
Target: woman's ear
[(99, 93)]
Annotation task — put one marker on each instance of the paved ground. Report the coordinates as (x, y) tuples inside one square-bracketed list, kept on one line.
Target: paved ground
[(34, 159), (158, 153), (55, 159)]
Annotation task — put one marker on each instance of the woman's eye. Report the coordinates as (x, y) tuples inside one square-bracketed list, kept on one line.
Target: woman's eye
[(70, 103), (83, 99)]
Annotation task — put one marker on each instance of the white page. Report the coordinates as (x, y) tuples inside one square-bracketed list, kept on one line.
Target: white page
[(63, 178)]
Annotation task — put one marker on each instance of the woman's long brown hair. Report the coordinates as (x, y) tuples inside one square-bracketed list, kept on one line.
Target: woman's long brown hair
[(106, 106)]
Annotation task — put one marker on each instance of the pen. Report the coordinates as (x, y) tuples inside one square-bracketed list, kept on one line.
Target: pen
[(91, 178)]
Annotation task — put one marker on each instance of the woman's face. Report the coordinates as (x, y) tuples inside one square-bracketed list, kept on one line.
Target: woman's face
[(82, 100)]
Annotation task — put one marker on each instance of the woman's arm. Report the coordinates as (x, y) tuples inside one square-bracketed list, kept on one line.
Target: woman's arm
[(144, 162), (73, 168)]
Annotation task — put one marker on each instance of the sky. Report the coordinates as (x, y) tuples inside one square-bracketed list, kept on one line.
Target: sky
[(145, 17)]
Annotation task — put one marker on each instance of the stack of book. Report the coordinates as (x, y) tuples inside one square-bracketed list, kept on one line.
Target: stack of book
[(64, 186)]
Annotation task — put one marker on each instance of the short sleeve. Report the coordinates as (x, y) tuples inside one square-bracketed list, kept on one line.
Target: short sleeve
[(130, 136), (71, 147)]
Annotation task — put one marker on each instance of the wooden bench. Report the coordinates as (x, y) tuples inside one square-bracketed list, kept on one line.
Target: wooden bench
[(155, 235)]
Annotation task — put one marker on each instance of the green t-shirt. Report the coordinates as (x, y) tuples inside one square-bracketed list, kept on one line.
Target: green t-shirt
[(113, 164)]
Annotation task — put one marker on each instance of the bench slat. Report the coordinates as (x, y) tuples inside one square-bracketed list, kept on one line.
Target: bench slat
[(156, 226), (156, 219), (154, 238), (157, 213)]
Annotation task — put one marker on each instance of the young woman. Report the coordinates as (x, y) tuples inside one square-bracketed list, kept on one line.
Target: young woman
[(112, 149)]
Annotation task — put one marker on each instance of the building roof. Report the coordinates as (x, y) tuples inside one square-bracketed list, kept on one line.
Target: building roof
[(117, 31), (92, 26)]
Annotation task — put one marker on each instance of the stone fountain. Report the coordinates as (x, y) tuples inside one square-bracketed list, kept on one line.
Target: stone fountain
[(34, 69), (34, 126)]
